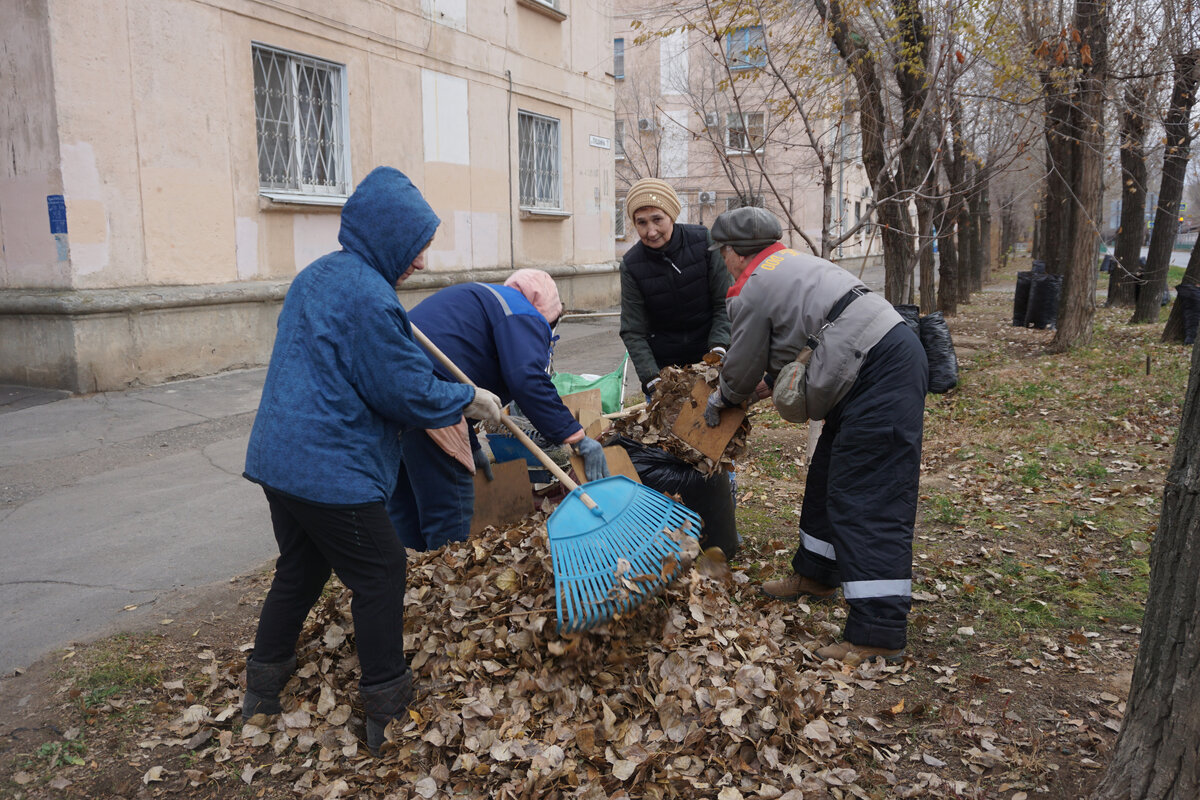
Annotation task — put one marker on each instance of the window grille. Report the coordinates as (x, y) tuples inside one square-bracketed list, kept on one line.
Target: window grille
[(745, 132), (745, 200), (618, 58), (540, 161), (619, 139), (299, 105), (619, 219), (746, 48)]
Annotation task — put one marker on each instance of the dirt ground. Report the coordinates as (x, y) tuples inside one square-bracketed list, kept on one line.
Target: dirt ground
[(1027, 588)]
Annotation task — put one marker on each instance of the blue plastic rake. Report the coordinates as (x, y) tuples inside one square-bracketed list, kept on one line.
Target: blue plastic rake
[(613, 547)]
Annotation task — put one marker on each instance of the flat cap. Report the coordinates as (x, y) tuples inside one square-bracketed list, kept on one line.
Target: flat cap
[(748, 226)]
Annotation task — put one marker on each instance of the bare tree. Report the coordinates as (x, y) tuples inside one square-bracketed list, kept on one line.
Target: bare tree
[(1175, 160), (1155, 757)]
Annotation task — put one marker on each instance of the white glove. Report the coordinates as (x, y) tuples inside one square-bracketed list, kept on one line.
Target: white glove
[(485, 406)]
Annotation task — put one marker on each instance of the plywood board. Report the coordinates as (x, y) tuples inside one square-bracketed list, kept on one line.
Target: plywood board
[(505, 500), (691, 427), (586, 401), (618, 463)]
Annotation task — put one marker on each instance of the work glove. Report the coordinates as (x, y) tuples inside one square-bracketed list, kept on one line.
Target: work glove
[(712, 409), (485, 406), (763, 390), (595, 465), (715, 356), (648, 387), (483, 464)]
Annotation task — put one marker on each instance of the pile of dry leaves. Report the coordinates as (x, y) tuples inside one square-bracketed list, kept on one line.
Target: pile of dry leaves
[(652, 425), (708, 691)]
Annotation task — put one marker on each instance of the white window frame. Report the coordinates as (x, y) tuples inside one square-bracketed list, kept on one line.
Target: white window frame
[(537, 190), (619, 219), (550, 8), (619, 58), (290, 180), (619, 140), (744, 128)]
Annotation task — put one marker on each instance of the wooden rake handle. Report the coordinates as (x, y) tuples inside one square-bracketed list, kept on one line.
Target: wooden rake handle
[(507, 421)]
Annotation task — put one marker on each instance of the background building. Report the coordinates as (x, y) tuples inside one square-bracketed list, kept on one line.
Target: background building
[(677, 119), (169, 165)]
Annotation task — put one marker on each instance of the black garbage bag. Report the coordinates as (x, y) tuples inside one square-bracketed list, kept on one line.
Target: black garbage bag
[(939, 350), (1021, 298), (1039, 267), (1044, 293), (711, 498), (1189, 295), (1107, 263), (910, 314)]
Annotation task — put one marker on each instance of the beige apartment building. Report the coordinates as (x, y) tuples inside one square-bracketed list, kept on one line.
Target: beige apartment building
[(677, 120), (169, 165)]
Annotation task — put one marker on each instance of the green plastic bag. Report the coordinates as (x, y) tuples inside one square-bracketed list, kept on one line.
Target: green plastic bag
[(611, 386)]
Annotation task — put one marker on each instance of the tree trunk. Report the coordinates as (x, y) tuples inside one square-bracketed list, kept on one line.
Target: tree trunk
[(1155, 754), (1122, 279), (891, 210), (1175, 160), (947, 293), (978, 257), (1173, 332), (925, 212), (985, 232), (1078, 305), (1058, 217)]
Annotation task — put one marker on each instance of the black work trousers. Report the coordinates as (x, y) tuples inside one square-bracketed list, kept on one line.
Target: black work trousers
[(860, 497), (360, 545)]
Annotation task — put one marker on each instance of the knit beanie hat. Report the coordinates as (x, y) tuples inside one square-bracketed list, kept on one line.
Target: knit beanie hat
[(652, 192), (538, 288)]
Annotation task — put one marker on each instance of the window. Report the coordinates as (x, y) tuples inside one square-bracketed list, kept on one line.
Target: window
[(618, 58), (619, 219), (619, 139), (550, 8), (744, 200), (746, 48), (300, 105), (540, 161), (744, 132)]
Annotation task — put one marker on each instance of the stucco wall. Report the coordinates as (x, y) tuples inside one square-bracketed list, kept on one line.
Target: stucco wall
[(140, 113)]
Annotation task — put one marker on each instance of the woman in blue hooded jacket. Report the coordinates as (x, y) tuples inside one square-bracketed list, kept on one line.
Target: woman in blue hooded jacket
[(345, 379)]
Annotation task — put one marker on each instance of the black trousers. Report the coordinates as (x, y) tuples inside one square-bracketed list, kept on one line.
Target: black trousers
[(360, 545), (860, 497)]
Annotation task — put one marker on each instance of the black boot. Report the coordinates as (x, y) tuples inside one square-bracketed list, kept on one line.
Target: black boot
[(264, 682), (383, 703)]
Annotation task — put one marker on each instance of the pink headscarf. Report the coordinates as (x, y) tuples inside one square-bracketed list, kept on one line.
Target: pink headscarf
[(539, 289)]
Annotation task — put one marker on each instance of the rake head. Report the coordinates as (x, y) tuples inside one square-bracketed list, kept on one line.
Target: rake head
[(613, 558)]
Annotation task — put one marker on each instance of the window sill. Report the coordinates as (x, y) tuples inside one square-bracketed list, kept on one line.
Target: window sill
[(542, 8), (544, 214), (758, 152), (294, 199)]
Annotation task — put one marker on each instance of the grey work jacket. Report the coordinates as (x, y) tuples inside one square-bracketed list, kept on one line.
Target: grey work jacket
[(785, 299)]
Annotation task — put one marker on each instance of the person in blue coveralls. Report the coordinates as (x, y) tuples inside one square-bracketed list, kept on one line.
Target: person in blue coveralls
[(345, 379), (500, 336)]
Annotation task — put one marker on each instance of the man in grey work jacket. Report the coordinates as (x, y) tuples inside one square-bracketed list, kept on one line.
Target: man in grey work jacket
[(867, 380)]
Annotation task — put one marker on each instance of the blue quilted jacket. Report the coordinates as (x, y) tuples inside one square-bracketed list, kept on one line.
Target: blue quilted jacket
[(345, 376)]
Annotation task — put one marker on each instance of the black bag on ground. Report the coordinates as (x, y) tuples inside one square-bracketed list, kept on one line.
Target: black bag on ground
[(910, 314), (1189, 295), (939, 350), (1044, 293), (1021, 298), (711, 498)]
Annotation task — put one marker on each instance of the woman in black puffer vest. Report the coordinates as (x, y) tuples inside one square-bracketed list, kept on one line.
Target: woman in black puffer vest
[(672, 287)]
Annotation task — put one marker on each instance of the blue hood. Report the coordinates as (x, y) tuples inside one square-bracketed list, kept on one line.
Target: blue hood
[(387, 223)]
